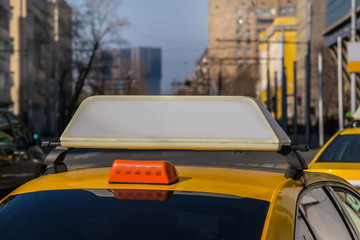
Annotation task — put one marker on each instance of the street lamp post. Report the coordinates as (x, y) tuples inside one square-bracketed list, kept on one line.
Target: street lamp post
[(268, 75), (220, 78), (308, 75), (353, 75)]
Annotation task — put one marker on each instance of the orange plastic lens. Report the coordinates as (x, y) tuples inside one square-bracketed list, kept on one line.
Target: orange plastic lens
[(130, 171), (129, 194)]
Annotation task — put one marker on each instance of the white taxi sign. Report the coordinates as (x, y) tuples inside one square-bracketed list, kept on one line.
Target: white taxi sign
[(173, 122)]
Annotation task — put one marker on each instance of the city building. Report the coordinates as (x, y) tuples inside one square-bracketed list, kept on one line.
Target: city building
[(61, 15), (121, 72), (146, 67), (131, 71), (338, 23), (100, 78), (40, 31), (201, 83), (277, 53), (5, 75), (311, 22), (233, 32)]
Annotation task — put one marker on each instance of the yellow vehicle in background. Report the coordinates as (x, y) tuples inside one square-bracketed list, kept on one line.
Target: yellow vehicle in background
[(158, 200), (341, 155)]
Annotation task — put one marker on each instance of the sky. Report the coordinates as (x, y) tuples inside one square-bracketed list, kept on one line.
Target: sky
[(178, 27)]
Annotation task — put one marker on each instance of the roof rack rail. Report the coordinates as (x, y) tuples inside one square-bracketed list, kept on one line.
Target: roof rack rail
[(47, 144), (54, 162)]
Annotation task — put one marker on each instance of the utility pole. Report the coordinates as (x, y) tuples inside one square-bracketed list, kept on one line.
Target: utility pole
[(29, 90), (284, 101), (340, 85), (295, 104), (268, 75), (56, 92), (353, 75), (321, 110), (308, 74), (220, 77), (283, 86), (275, 97)]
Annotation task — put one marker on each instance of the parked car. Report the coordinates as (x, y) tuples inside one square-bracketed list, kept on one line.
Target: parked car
[(157, 200), (21, 159), (341, 154)]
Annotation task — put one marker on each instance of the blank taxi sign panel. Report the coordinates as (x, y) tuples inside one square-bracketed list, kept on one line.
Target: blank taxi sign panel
[(172, 122)]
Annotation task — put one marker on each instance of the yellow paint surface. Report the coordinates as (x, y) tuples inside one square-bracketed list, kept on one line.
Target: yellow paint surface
[(238, 182), (278, 50), (282, 193)]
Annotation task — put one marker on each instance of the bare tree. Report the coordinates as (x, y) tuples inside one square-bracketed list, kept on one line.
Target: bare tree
[(95, 25), (243, 84)]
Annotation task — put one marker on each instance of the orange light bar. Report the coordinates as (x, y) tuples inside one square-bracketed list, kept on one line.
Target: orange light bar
[(152, 172), (129, 194)]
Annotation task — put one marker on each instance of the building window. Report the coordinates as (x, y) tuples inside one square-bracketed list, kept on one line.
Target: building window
[(238, 12), (265, 11), (248, 62), (238, 51), (4, 49), (248, 10), (11, 79), (264, 21), (2, 81), (4, 18), (248, 32), (287, 11), (248, 51), (248, 21), (238, 32), (11, 45), (11, 13), (239, 62)]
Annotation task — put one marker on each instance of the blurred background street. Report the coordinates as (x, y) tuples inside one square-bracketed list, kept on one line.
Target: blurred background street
[(297, 57), (284, 53)]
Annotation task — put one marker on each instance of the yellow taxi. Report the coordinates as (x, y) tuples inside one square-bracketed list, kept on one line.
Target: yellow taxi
[(157, 200), (341, 155)]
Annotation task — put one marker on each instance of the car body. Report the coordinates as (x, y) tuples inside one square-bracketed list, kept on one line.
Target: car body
[(218, 202), (157, 200), (21, 159)]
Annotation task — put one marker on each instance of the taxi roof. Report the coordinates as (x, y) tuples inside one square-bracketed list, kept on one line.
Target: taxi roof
[(174, 122), (238, 182), (257, 184), (348, 131)]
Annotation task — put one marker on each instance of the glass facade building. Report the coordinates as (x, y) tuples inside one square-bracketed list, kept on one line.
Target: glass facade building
[(5, 51)]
